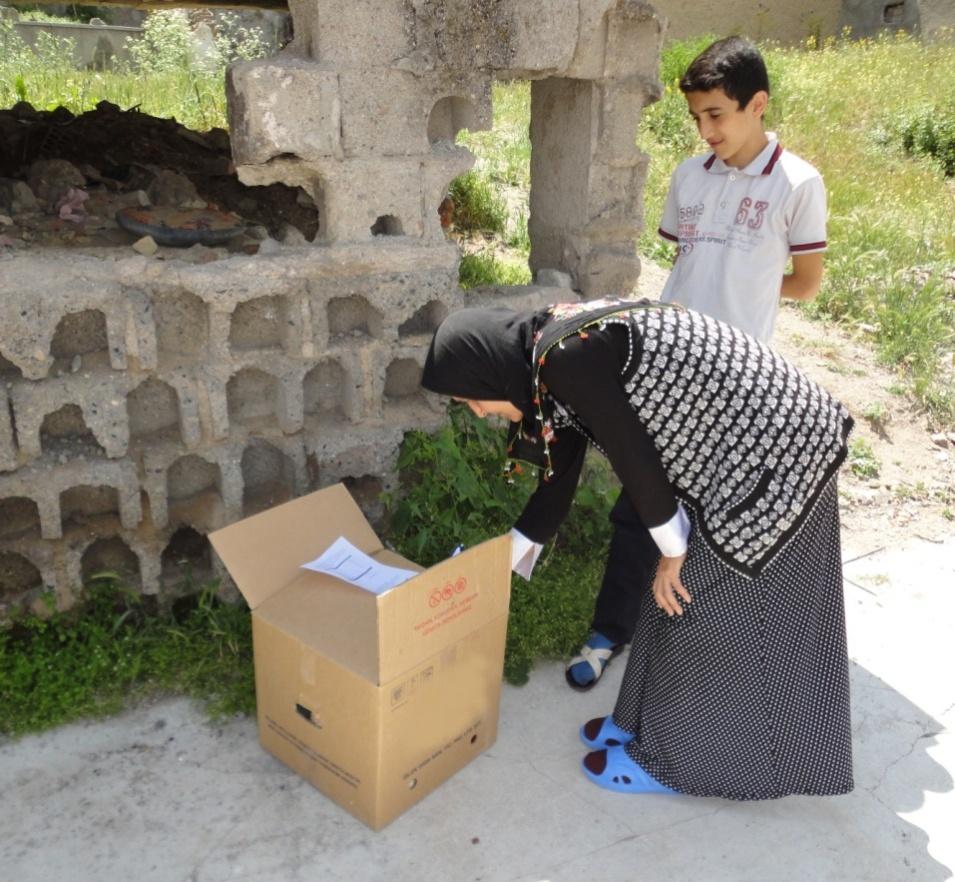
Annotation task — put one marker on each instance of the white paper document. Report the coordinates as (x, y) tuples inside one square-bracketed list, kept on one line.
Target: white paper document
[(343, 561)]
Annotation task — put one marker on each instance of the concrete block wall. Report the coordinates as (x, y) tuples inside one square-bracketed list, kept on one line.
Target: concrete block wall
[(363, 107), (144, 402)]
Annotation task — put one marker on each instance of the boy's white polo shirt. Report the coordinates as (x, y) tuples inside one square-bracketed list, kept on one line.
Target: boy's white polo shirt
[(736, 229)]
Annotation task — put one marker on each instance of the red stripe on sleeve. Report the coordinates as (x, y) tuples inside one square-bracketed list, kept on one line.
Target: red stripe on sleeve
[(809, 246), (667, 235)]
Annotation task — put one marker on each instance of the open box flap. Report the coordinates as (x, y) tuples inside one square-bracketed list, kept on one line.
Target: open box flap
[(333, 617), (443, 604), (263, 553)]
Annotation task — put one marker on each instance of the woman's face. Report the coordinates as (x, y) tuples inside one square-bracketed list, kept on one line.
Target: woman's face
[(482, 409)]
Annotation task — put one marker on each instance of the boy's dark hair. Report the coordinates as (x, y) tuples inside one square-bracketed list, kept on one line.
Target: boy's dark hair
[(733, 65)]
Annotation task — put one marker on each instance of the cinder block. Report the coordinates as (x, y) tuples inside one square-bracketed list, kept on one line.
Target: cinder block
[(438, 171), (140, 330), (8, 450), (372, 200), (213, 405), (291, 405), (366, 451), (101, 397), (361, 33), (332, 390), (28, 569), (263, 323), (564, 117), (614, 198), (463, 35), (634, 40), (181, 320), (283, 106), (397, 113), (44, 484), (591, 50), (608, 272), (148, 552), (220, 326), (55, 309), (273, 470), (620, 107), (116, 338), (543, 35)]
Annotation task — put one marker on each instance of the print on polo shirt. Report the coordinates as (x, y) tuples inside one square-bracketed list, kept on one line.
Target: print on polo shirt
[(751, 214), (742, 231), (687, 229)]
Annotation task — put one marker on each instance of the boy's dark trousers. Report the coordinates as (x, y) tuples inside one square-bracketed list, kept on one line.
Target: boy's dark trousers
[(631, 561)]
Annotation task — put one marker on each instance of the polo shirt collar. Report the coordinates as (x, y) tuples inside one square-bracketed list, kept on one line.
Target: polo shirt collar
[(763, 164)]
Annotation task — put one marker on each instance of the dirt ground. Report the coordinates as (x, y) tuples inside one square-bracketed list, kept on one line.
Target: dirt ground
[(913, 494)]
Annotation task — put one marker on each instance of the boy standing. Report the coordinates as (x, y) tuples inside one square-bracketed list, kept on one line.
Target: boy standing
[(737, 214)]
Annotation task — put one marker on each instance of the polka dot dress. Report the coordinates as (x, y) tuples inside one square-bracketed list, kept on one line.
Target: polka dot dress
[(746, 696)]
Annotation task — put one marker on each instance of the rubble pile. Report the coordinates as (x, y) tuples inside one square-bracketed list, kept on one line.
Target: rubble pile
[(63, 178)]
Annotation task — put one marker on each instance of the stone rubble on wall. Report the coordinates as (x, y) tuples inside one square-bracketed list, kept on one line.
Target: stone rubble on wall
[(148, 400)]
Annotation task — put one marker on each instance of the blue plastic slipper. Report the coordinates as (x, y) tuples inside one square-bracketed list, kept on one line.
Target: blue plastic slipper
[(603, 732), (613, 770)]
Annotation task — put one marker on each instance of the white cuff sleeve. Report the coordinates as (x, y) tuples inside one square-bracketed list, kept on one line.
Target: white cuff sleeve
[(524, 554), (671, 537)]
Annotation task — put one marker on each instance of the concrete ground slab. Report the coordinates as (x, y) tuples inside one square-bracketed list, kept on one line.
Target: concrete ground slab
[(160, 795)]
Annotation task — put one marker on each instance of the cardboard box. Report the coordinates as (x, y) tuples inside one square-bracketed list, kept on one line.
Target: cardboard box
[(373, 699)]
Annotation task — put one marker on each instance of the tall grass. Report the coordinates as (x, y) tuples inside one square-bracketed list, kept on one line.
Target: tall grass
[(164, 77)]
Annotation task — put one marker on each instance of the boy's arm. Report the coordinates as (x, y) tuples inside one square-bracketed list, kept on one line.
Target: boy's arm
[(670, 219), (807, 241), (804, 281)]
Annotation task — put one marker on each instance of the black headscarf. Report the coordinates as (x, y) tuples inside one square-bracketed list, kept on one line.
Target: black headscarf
[(487, 355), (484, 355)]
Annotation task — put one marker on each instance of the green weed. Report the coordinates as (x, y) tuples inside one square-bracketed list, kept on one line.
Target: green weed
[(876, 415), (477, 206), (453, 490), (930, 131), (909, 492), (114, 648), (483, 268), (862, 459)]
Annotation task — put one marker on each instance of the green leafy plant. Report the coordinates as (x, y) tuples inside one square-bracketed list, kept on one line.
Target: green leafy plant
[(117, 646), (166, 44), (453, 490), (876, 415), (930, 131), (862, 459)]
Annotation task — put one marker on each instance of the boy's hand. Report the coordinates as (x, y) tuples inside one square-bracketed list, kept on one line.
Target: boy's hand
[(804, 281), (668, 589)]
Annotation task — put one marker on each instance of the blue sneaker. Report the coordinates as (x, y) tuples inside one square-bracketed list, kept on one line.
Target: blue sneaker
[(584, 670)]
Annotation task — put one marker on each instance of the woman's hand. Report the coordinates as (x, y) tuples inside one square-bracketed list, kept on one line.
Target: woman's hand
[(667, 587)]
